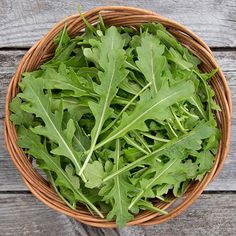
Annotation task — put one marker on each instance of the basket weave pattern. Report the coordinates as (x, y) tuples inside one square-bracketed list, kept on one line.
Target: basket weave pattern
[(119, 16)]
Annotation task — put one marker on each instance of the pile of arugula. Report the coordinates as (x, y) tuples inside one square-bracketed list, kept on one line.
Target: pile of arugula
[(117, 118)]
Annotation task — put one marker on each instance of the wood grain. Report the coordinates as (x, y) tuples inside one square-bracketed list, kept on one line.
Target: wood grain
[(203, 218), (23, 22), (31, 217), (8, 63), (9, 177), (22, 214)]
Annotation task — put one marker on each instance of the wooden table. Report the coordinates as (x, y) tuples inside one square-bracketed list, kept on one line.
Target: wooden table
[(22, 23)]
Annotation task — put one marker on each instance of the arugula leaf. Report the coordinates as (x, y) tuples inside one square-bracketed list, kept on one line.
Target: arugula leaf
[(128, 110), (197, 102), (19, 117), (145, 205), (116, 191), (70, 82), (151, 62), (191, 140), (143, 111), (31, 142), (38, 103), (112, 58), (130, 86), (61, 40), (204, 160), (170, 166), (177, 58), (94, 174), (125, 108)]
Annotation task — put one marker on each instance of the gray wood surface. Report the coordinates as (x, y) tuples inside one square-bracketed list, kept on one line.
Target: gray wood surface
[(31, 217), (22, 23), (25, 21)]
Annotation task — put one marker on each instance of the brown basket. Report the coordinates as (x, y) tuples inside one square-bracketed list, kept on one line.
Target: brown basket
[(125, 16)]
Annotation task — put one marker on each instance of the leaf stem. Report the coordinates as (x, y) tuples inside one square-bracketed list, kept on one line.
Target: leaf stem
[(171, 129), (152, 208), (141, 140), (89, 26), (121, 100), (62, 36), (199, 108), (124, 129), (125, 108), (150, 184), (188, 113), (134, 144), (157, 153), (50, 122), (51, 180), (161, 198), (177, 120), (135, 163), (155, 138), (68, 181), (129, 65), (133, 77), (101, 23), (207, 92)]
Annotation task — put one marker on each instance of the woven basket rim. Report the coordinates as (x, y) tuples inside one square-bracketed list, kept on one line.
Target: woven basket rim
[(40, 188)]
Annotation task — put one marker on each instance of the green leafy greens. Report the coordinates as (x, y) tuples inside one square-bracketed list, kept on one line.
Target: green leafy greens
[(117, 118)]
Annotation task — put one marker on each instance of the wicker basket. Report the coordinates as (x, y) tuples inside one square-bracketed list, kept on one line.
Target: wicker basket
[(126, 16)]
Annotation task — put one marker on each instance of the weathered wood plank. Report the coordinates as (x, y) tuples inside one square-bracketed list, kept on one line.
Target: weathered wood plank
[(8, 63), (23, 22), (210, 215), (9, 177), (22, 214), (226, 179)]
